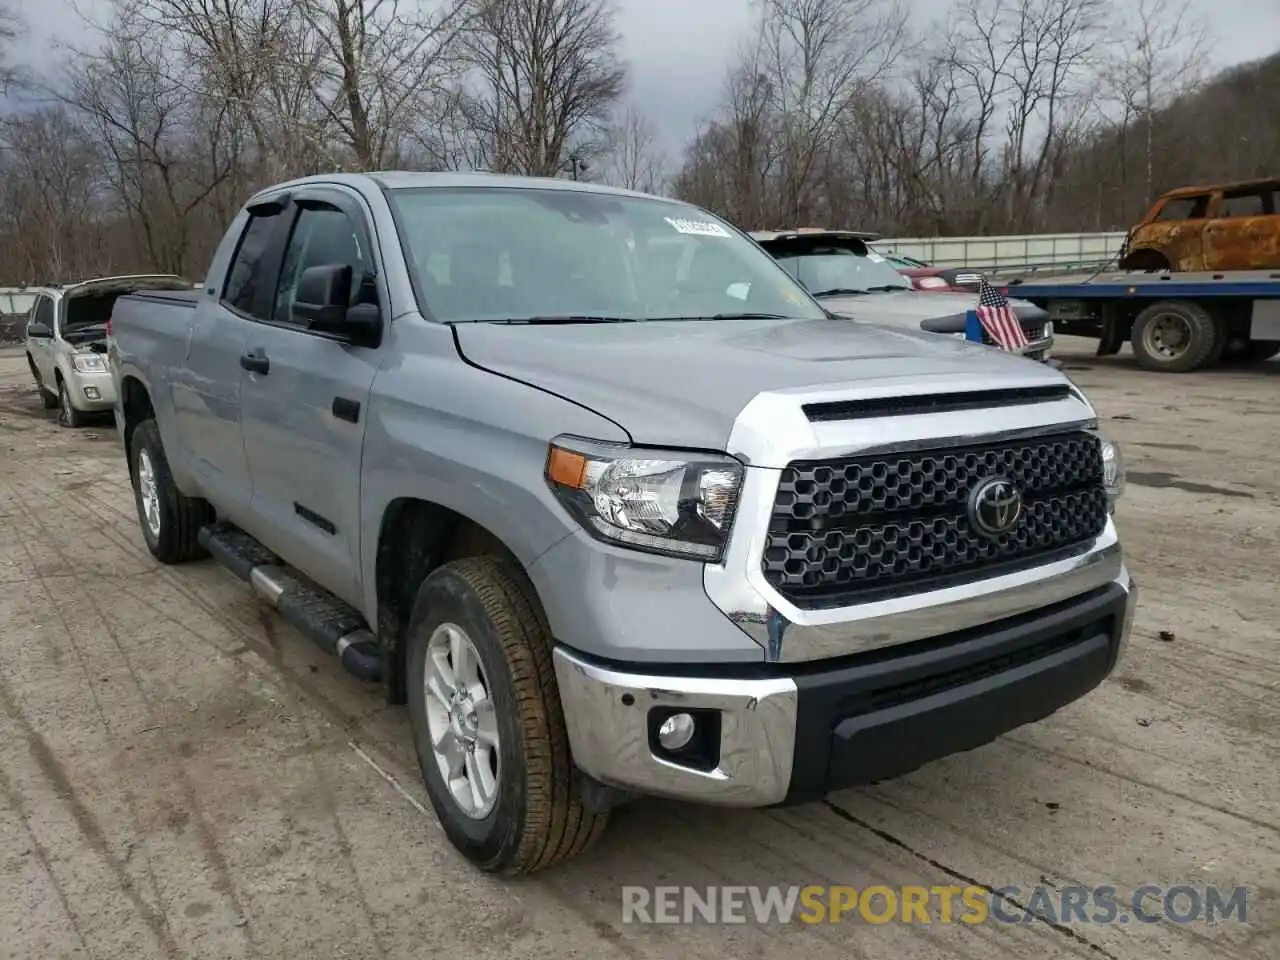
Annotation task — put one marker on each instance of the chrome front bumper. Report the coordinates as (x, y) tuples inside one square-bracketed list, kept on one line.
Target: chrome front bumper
[(767, 733)]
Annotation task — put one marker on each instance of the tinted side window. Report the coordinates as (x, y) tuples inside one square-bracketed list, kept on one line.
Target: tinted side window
[(1184, 208), (245, 278), (322, 236), (1246, 203)]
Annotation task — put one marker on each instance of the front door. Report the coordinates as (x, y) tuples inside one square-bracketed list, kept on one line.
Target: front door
[(40, 339), (304, 402)]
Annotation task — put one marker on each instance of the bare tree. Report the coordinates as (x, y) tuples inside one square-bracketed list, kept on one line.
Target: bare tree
[(819, 57), (1162, 58), (545, 79), (634, 159), (168, 151), (12, 29)]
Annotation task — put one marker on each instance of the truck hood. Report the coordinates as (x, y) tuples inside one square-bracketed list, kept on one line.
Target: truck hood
[(683, 383), (907, 308)]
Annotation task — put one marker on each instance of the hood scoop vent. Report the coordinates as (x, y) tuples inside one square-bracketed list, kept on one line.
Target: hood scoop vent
[(933, 403)]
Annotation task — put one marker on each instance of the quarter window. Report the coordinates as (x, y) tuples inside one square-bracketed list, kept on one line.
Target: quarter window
[(246, 278)]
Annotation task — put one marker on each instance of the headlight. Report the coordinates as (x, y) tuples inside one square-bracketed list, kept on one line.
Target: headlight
[(89, 363), (655, 500), (929, 283), (1112, 470)]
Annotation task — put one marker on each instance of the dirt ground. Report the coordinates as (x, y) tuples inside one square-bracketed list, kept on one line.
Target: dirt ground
[(182, 775)]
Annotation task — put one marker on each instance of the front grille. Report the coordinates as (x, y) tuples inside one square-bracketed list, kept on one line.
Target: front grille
[(860, 528)]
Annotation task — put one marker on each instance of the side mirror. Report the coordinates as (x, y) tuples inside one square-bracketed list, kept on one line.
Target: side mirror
[(322, 302), (39, 330)]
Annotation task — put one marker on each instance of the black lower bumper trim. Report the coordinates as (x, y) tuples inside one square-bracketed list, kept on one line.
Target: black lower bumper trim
[(885, 715)]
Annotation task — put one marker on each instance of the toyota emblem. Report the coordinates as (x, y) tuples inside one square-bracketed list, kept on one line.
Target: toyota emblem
[(994, 507)]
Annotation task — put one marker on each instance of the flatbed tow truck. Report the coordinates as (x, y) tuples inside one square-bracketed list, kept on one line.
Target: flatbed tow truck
[(1175, 322)]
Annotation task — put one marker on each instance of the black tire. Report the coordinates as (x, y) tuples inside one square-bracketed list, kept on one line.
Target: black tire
[(1250, 351), (538, 817), (180, 516), (1203, 344), (68, 415), (47, 400)]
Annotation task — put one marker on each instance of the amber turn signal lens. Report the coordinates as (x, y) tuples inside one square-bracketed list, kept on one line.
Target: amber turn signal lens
[(566, 468)]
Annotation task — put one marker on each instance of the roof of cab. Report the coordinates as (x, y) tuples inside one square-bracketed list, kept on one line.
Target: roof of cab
[(414, 179), (766, 236), (1225, 187)]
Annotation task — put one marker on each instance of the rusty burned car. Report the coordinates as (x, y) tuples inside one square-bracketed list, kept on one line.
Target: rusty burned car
[(1233, 226)]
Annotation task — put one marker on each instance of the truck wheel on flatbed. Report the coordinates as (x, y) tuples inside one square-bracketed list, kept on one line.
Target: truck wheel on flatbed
[(1176, 336), (47, 400), (170, 521), (487, 722)]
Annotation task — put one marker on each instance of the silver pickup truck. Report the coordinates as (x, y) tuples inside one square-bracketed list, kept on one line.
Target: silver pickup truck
[(607, 530)]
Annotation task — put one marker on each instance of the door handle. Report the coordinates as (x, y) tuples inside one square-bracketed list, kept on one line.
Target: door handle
[(345, 409), (255, 361)]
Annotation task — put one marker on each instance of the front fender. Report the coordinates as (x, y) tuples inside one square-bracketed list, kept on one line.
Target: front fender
[(450, 434)]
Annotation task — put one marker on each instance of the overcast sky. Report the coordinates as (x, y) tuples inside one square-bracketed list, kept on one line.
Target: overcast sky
[(679, 50)]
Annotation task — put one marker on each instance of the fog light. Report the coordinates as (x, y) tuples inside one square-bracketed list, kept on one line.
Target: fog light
[(676, 731), (91, 393)]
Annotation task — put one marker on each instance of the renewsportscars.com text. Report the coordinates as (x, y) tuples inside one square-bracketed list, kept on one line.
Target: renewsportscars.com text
[(814, 904)]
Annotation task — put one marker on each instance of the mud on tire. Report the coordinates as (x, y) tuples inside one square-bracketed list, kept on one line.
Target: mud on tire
[(171, 522), (538, 817)]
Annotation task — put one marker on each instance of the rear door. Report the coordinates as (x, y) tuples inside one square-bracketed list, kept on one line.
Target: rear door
[(206, 389), (1245, 233), (305, 399)]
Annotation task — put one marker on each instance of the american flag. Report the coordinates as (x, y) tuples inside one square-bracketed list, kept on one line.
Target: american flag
[(998, 318)]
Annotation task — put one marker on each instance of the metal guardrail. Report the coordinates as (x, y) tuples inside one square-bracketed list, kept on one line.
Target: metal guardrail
[(993, 254)]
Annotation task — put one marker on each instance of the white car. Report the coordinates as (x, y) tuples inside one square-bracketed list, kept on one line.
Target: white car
[(843, 272), (66, 341)]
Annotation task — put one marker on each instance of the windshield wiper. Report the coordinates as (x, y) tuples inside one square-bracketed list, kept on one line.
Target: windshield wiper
[(565, 318), (886, 287), (727, 316), (840, 292)]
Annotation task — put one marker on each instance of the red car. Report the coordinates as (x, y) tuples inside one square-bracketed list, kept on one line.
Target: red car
[(926, 277)]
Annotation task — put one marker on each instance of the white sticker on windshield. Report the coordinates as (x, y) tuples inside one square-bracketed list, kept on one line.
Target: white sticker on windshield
[(697, 228), (874, 257)]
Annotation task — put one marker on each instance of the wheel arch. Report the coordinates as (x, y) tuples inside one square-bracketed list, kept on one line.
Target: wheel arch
[(135, 402), (415, 536)]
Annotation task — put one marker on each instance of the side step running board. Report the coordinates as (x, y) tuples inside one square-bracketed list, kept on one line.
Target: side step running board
[(331, 624)]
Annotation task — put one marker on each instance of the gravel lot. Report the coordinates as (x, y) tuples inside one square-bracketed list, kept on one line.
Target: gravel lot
[(182, 775)]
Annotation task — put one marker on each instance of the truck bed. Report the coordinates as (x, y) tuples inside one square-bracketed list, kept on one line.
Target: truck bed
[(1139, 284)]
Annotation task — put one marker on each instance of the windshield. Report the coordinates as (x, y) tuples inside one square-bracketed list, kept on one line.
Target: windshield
[(491, 254), (840, 270)]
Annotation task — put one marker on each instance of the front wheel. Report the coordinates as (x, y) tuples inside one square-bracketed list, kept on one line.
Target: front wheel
[(1176, 336), (170, 520), (487, 723), (68, 415)]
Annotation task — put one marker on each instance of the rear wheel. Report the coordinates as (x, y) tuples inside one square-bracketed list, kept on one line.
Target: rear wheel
[(1176, 336), (487, 723), (170, 520), (1250, 351), (47, 400)]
